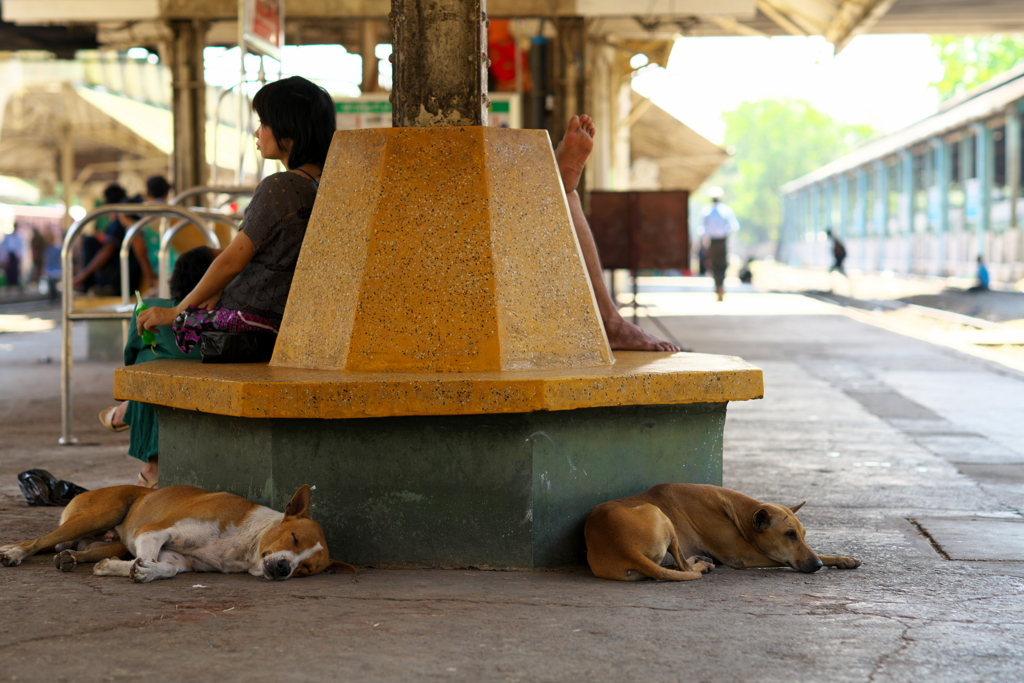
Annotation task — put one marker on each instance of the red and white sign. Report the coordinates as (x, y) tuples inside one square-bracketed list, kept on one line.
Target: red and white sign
[(263, 26)]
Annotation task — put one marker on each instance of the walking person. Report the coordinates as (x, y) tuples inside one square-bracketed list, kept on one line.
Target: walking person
[(838, 253), (719, 223)]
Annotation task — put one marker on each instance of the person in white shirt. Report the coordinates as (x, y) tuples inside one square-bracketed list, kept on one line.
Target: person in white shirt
[(719, 223)]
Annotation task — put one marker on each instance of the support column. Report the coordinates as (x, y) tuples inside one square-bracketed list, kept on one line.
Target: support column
[(1013, 161), (844, 207), (368, 50), (986, 163), (860, 216), (569, 70), (830, 203), (815, 219), (189, 102), (907, 208), (440, 63), (881, 212), (67, 167), (943, 178)]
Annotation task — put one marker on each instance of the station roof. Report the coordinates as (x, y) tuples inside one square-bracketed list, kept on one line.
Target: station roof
[(985, 102), (312, 21), (684, 157)]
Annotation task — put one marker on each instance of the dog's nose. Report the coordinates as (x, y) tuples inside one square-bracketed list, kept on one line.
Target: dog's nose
[(277, 569), (811, 567)]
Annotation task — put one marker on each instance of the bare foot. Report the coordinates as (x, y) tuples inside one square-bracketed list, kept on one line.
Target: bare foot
[(625, 336), (574, 150)]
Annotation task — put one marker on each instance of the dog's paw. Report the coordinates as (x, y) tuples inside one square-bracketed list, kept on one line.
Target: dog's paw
[(710, 562), (65, 561), (143, 571), (11, 557), (111, 567), (847, 563)]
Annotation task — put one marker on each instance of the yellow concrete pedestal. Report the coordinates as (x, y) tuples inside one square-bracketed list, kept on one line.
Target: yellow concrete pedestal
[(442, 373), (441, 250)]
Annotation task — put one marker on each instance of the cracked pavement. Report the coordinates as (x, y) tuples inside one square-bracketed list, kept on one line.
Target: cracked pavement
[(829, 431)]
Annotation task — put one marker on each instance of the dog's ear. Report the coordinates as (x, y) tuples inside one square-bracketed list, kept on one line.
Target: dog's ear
[(298, 506), (339, 567), (762, 520), (797, 507)]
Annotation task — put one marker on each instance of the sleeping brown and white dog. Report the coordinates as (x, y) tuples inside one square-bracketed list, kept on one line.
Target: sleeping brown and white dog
[(699, 526), (148, 534)]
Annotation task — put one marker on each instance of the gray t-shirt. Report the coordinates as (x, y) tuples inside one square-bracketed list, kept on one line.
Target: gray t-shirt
[(276, 222)]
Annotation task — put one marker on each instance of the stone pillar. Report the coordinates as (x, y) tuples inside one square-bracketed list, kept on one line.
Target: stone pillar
[(881, 210), (189, 102), (985, 166), (815, 219), (569, 68), (67, 167), (844, 207), (368, 50), (860, 215), (943, 175), (1013, 158), (440, 63), (907, 199)]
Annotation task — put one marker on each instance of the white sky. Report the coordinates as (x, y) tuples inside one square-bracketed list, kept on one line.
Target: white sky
[(880, 80)]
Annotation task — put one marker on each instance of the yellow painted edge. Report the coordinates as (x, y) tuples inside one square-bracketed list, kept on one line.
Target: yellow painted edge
[(248, 391)]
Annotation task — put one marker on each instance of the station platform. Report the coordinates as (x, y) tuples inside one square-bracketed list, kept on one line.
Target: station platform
[(907, 452)]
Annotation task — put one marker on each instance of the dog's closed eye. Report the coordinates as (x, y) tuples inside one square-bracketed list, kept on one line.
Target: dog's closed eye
[(295, 540), (791, 535)]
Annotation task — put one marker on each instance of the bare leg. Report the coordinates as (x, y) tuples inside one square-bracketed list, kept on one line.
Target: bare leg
[(571, 154)]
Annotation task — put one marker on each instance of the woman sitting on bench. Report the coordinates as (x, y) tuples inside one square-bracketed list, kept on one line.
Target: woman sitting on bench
[(253, 275), (250, 279)]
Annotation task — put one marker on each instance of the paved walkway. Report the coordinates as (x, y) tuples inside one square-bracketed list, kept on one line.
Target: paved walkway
[(871, 428)]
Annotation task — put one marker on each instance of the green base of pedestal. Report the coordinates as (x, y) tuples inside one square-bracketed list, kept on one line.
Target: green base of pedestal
[(501, 491)]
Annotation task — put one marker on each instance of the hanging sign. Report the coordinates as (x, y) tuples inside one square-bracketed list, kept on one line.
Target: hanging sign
[(263, 26)]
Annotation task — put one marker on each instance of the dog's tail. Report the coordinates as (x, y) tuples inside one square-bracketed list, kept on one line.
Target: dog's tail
[(651, 569)]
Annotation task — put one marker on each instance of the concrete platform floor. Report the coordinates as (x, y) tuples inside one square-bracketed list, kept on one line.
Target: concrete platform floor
[(871, 428)]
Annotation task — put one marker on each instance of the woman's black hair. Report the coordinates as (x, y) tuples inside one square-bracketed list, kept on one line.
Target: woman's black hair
[(189, 269), (302, 112)]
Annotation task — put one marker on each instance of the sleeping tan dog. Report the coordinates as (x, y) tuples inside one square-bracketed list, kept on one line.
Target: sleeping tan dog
[(699, 526)]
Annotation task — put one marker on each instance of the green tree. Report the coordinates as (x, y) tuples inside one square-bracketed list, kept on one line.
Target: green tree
[(969, 61), (776, 141)]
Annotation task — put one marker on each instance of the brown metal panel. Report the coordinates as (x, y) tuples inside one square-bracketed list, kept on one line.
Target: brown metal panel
[(640, 230), (609, 221), (661, 237)]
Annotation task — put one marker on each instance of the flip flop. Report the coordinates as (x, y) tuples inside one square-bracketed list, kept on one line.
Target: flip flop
[(146, 483), (107, 420)]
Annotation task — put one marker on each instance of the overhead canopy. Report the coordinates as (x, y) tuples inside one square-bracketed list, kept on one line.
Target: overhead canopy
[(685, 158), (104, 127), (333, 21)]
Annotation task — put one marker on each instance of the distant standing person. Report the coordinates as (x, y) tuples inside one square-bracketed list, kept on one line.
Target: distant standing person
[(838, 253), (719, 223), (983, 277), (13, 250)]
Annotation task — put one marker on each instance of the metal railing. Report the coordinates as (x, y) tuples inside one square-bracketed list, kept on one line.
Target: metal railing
[(68, 313), (231, 192), (164, 255)]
